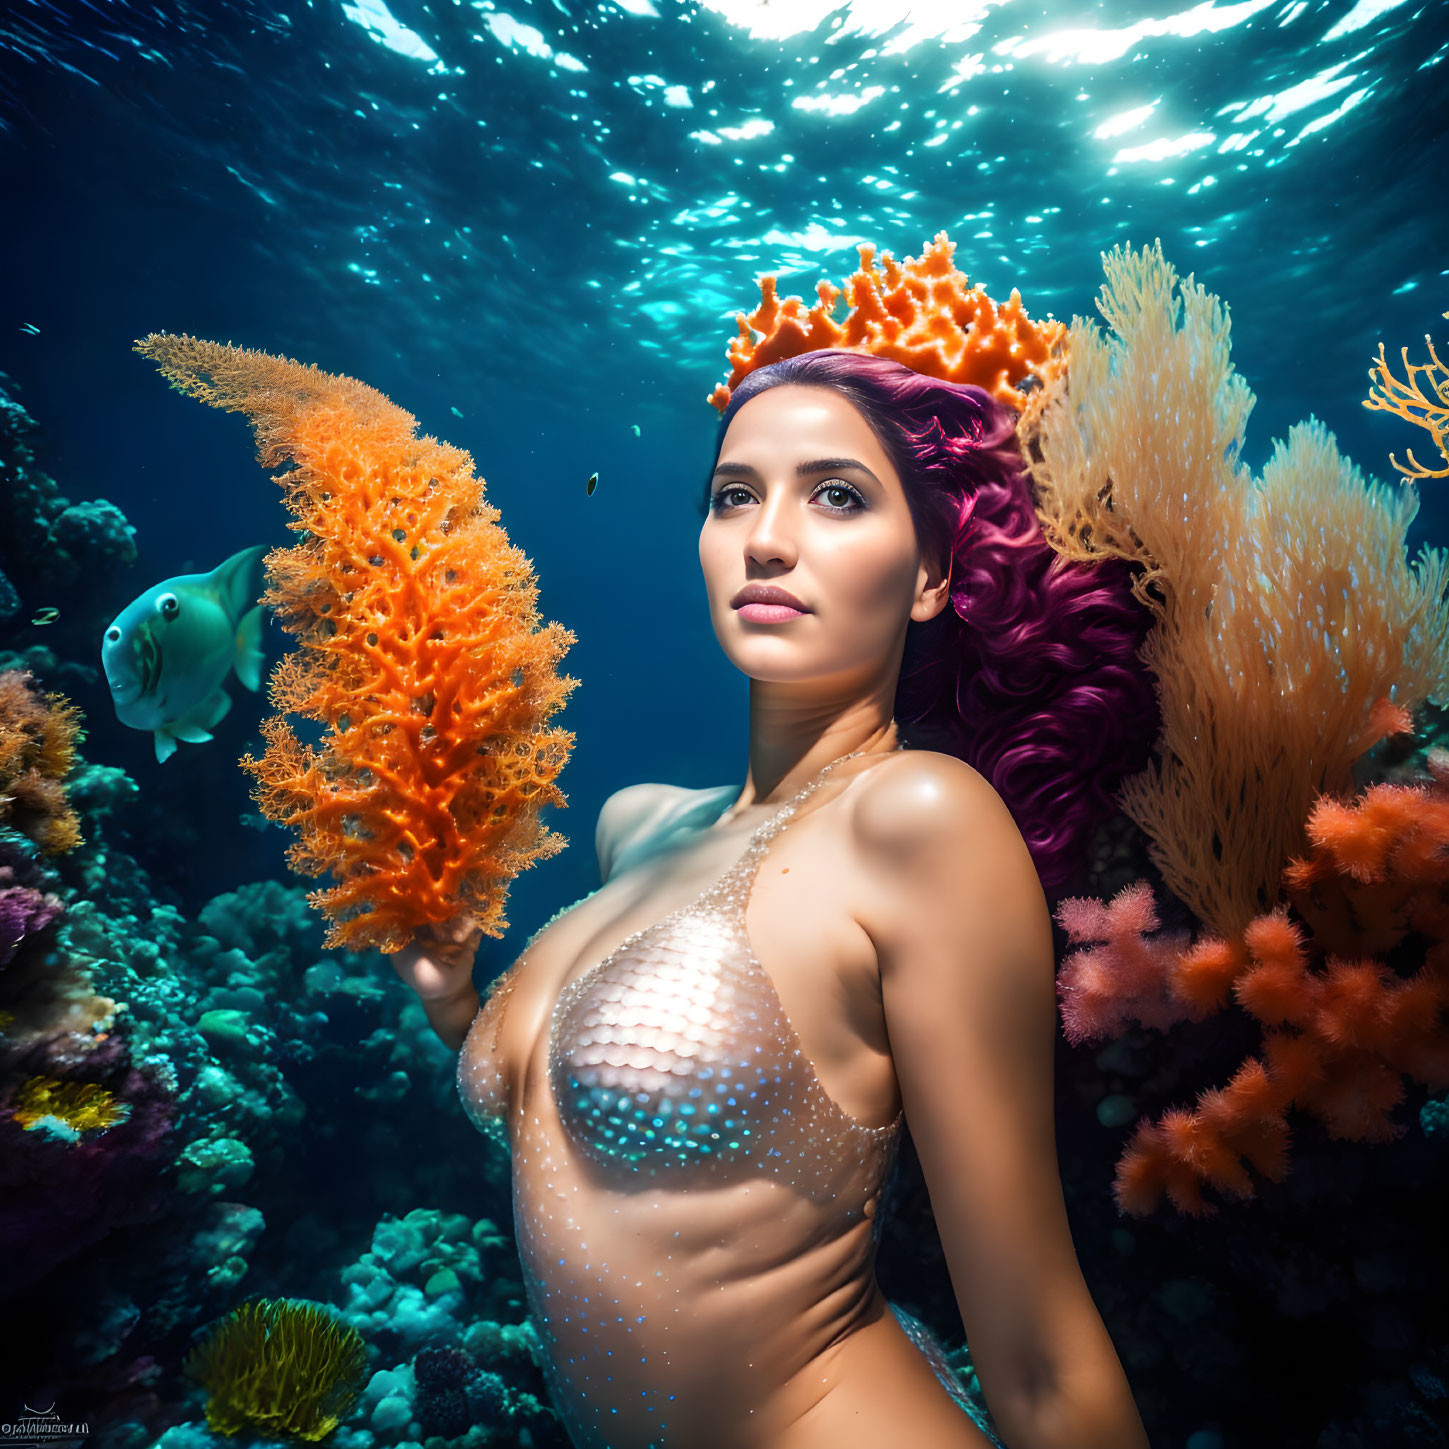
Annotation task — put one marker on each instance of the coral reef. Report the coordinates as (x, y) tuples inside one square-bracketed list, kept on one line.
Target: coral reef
[(1126, 972), (1344, 1013), (283, 1368), (52, 551), (1409, 401), (419, 651), (44, 994), (899, 311), (68, 1178), (448, 1353), (241, 1060), (83, 1132), (1290, 632), (24, 911), (441, 1402), (75, 1107), (38, 735)]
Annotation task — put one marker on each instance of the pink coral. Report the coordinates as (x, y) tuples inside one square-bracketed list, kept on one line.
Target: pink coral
[(1125, 974)]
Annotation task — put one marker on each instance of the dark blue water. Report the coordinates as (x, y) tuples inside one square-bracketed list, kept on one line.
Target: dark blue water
[(532, 227)]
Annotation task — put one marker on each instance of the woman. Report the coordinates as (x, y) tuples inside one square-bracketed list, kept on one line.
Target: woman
[(702, 1113)]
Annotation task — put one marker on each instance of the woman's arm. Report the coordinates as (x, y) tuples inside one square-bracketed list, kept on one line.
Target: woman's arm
[(969, 985), (451, 1017)]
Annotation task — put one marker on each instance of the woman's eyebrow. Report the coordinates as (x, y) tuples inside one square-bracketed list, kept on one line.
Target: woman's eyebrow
[(819, 465)]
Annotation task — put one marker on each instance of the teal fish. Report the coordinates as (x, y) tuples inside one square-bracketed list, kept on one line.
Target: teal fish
[(168, 652), (635, 427), (455, 412), (30, 329), (591, 485)]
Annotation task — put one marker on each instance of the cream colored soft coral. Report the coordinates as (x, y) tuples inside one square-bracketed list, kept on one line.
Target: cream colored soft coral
[(1292, 632)]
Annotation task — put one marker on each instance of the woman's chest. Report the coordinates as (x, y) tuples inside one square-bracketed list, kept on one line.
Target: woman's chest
[(685, 963)]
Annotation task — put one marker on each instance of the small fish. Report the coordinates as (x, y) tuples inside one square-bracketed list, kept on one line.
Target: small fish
[(635, 428), (47, 615), (591, 484), (31, 330), (169, 651), (455, 412)]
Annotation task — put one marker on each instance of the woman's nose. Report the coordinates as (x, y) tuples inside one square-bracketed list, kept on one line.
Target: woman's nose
[(771, 534)]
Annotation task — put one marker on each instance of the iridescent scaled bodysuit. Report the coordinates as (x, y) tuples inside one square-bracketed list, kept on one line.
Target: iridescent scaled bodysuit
[(696, 1217)]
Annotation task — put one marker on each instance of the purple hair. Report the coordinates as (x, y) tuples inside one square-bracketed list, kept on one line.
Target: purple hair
[(1032, 675)]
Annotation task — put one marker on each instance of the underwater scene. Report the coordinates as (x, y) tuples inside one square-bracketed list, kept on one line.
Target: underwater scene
[(295, 702)]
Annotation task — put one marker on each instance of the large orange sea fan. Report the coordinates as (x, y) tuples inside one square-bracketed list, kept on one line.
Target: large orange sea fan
[(420, 653)]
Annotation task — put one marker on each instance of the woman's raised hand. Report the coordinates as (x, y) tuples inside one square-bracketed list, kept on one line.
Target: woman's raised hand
[(438, 962)]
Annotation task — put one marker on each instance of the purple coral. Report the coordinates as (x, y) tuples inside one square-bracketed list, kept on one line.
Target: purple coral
[(23, 912), (441, 1402), (59, 1197)]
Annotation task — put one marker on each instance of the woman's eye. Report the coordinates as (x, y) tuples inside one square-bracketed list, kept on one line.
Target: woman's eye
[(851, 496), (720, 499)]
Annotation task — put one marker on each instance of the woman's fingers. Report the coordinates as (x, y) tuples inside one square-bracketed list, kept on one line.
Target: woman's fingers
[(438, 961), (462, 931)]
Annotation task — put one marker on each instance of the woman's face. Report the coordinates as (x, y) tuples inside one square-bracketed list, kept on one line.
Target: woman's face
[(805, 499)]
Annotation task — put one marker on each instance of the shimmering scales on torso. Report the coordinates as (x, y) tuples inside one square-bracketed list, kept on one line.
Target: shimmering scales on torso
[(673, 1053), (692, 1208)]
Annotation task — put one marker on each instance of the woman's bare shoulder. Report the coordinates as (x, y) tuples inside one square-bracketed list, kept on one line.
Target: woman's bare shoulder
[(909, 796), (634, 821)]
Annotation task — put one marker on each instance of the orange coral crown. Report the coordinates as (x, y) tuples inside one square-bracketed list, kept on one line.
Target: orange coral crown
[(922, 313)]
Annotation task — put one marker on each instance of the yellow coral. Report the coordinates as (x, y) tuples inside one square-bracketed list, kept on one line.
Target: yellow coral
[(420, 651), (82, 1106), (1409, 401), (1291, 632), (280, 1367)]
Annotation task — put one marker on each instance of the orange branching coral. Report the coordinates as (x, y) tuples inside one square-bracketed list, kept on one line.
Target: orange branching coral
[(1409, 401), (420, 652), (1291, 629), (922, 313), (1341, 1027), (38, 736)]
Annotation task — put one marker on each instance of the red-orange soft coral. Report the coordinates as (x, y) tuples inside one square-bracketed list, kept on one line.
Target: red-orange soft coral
[(420, 653), (922, 313), (38, 735), (1341, 1028)]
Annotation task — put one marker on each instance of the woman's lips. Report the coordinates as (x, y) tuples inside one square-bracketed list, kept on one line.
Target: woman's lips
[(769, 613)]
